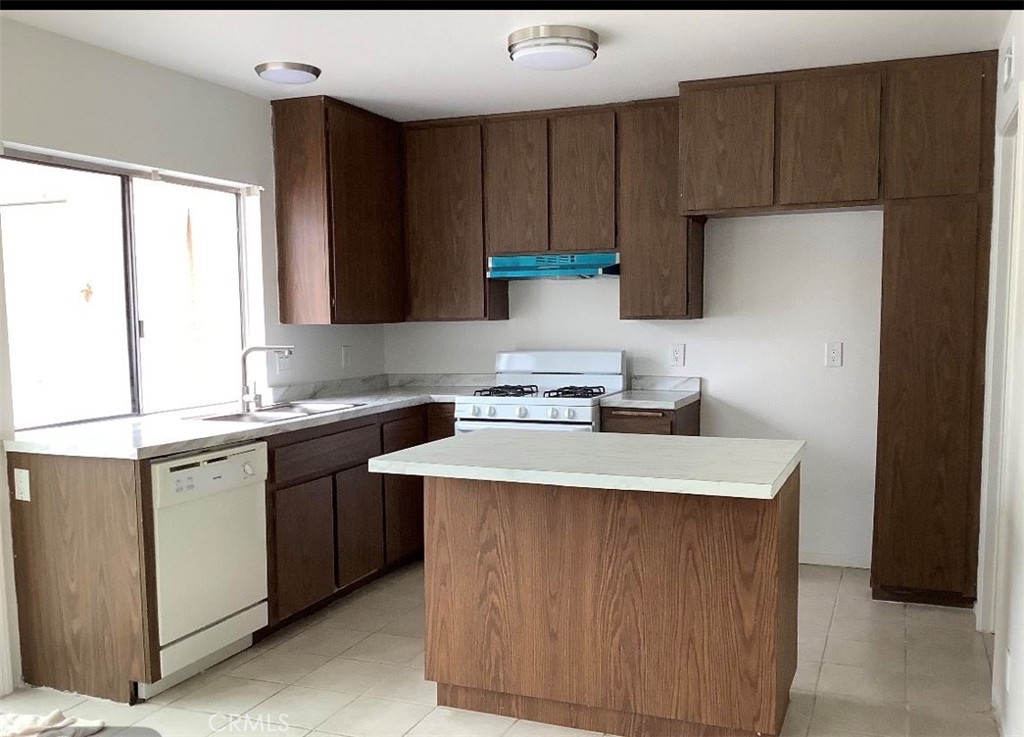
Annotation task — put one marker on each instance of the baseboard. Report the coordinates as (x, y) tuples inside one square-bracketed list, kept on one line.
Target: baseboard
[(828, 559)]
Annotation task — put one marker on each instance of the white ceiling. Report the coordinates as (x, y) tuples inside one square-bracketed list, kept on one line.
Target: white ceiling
[(418, 64)]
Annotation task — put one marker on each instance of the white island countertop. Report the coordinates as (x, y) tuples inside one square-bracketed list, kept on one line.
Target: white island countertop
[(732, 467)]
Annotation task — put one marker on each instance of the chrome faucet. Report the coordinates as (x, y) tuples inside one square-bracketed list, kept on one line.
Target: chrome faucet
[(250, 399)]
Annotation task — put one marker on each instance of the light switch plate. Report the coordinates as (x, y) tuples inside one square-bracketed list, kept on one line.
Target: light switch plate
[(21, 487)]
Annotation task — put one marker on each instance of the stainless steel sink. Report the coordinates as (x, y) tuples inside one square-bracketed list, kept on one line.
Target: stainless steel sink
[(283, 411)]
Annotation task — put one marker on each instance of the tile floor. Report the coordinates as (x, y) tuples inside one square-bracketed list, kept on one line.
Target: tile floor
[(355, 669)]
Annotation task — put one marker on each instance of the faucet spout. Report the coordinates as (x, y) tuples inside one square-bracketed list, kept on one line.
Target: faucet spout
[(250, 399)]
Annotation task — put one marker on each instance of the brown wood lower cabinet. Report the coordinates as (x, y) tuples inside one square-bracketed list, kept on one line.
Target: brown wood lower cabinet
[(304, 545), (683, 421), (440, 420), (403, 495), (359, 510)]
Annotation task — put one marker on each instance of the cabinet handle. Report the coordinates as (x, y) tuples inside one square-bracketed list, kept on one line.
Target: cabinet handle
[(637, 413)]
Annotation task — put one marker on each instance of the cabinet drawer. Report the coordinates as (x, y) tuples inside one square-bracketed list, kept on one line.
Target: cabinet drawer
[(651, 421), (321, 456), (404, 433)]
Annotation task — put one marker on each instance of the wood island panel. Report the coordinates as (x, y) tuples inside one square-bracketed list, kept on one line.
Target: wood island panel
[(635, 613)]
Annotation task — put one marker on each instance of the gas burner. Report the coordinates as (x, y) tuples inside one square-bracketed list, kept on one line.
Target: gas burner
[(576, 392), (508, 390)]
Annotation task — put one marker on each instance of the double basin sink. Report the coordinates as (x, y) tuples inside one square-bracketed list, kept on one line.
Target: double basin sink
[(283, 411)]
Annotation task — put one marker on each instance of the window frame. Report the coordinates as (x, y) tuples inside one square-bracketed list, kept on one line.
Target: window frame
[(134, 326)]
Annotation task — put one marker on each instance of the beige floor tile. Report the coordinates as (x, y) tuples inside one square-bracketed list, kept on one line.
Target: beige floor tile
[(945, 689), (523, 728), (941, 616), (396, 598), (818, 609), (811, 648), (417, 662), (817, 589), (446, 722), (228, 695), (806, 678), (410, 624), (279, 666), (226, 666), (113, 714), (323, 639), (38, 701), (868, 630), (370, 717), (938, 639), (382, 648), (886, 656), (944, 721), (820, 573), (349, 676), (966, 665), (273, 640), (834, 714), (174, 722), (406, 684), (798, 714), (871, 684), (302, 707), (359, 614), (185, 687), (868, 609), (856, 584), (242, 725)]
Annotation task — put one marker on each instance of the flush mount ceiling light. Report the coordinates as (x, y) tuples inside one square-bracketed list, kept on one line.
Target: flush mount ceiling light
[(287, 72), (552, 48)]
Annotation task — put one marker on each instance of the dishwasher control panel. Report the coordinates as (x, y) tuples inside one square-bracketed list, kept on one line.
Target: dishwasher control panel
[(186, 477)]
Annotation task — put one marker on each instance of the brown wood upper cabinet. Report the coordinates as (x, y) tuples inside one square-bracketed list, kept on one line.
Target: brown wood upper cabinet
[(828, 131), (933, 126), (726, 146), (516, 185), (444, 226), (582, 197), (338, 175), (662, 254)]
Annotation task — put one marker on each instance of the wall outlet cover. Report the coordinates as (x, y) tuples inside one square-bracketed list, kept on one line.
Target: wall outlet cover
[(833, 355), (677, 354), (21, 486)]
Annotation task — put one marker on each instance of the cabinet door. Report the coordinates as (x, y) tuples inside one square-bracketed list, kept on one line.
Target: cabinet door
[(583, 182), (829, 139), (366, 214), (440, 420), (359, 509), (303, 545), (444, 223), (516, 185), (933, 127), (403, 495), (648, 421), (726, 147), (923, 489), (661, 253)]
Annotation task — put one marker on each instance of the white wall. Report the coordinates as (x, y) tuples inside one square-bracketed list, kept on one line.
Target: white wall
[(777, 289)]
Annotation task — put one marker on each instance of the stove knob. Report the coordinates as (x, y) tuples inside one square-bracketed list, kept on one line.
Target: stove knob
[(491, 411), (475, 411), (248, 470), (553, 413), (570, 413), (521, 412)]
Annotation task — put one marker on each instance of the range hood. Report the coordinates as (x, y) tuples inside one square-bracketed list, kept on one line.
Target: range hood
[(554, 266)]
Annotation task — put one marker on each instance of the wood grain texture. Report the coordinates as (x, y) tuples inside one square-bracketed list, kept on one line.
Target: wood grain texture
[(516, 185), (683, 421), (933, 111), (687, 420), (368, 255), (301, 207), (304, 546), (77, 570), (660, 605), (923, 469), (829, 138), (359, 531), (403, 495), (656, 281), (582, 182), (440, 420), (444, 223), (322, 455), (726, 147)]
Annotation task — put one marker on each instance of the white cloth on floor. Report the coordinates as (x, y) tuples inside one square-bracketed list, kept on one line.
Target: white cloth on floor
[(55, 724)]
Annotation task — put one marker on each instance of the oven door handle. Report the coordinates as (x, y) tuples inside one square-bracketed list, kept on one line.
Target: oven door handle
[(464, 426)]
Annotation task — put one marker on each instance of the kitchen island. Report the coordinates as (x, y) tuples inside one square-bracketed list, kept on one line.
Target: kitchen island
[(629, 584)]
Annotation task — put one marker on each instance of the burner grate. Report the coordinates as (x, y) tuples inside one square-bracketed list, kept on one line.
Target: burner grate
[(576, 392), (508, 390)]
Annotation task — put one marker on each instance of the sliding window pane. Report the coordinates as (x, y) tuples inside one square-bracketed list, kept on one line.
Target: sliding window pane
[(64, 281), (187, 272)]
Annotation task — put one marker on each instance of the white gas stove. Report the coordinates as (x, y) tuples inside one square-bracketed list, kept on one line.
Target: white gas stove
[(544, 390)]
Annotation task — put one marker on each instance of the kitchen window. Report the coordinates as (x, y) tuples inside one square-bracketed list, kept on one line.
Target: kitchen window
[(124, 293)]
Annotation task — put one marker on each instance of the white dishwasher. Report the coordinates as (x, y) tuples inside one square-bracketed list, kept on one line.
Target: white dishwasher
[(210, 534)]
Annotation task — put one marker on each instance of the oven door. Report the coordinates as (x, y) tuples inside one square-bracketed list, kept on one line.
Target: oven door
[(464, 426)]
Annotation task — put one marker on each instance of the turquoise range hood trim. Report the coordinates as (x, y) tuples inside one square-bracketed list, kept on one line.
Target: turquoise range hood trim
[(554, 266)]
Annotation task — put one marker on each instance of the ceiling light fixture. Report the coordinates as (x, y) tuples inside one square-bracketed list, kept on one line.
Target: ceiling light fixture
[(287, 72), (552, 48)]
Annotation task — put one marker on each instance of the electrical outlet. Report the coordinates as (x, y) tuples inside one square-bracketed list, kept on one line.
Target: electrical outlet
[(833, 355), (346, 356), (284, 363), (677, 354), (21, 488)]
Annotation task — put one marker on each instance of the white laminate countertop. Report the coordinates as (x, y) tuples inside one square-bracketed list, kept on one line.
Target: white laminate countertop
[(731, 467), (650, 399), (169, 433)]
